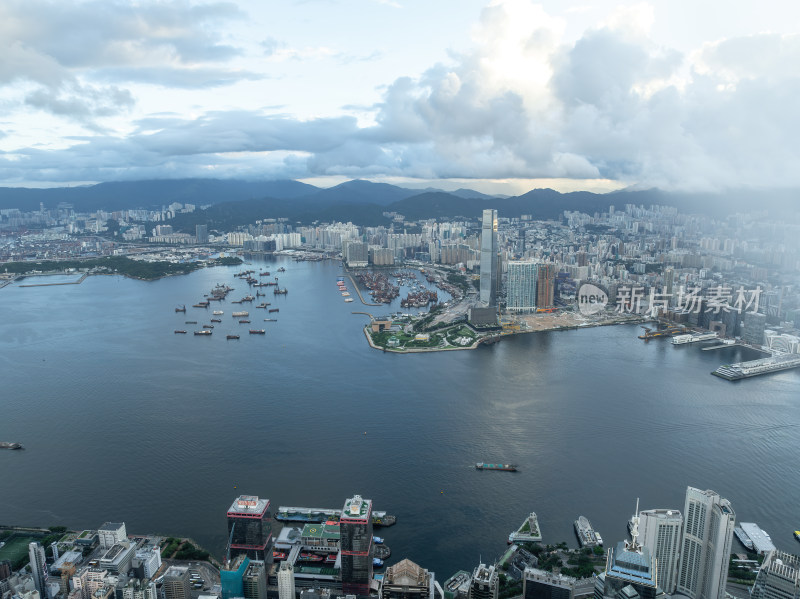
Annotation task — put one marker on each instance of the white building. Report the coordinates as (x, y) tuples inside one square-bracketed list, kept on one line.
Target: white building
[(151, 561), (660, 532), (111, 533), (38, 565), (286, 581), (707, 534)]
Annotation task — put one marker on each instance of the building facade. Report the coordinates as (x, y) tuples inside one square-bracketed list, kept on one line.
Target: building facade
[(485, 583), (250, 527), (286, 588), (706, 545), (489, 258), (407, 580), (38, 565), (778, 577), (176, 583), (521, 286), (660, 533), (355, 525)]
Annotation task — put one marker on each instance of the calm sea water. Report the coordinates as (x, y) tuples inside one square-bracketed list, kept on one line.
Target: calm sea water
[(124, 420)]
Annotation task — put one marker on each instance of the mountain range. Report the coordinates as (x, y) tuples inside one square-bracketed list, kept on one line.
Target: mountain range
[(233, 202)]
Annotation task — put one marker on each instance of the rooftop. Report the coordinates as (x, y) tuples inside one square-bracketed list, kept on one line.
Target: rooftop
[(322, 531), (176, 571), (115, 526), (761, 540), (356, 507), (248, 505)]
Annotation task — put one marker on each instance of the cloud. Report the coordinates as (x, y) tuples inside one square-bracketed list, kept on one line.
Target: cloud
[(184, 78)]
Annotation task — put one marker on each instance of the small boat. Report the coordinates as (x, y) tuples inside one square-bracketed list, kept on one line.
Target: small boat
[(257, 332), (232, 337), (270, 320), (504, 467), (271, 310), (180, 332), (348, 300), (281, 269), (797, 535), (203, 332), (9, 445)]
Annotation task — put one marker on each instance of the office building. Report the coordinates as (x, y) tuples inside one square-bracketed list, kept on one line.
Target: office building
[(136, 589), (286, 581), (5, 569), (407, 580), (778, 577), (355, 253), (88, 580), (355, 526), (753, 330), (118, 558), (485, 583), (38, 565), (706, 546), (254, 581), (660, 533), (545, 285), (201, 233), (176, 583), (521, 287), (231, 577), (151, 561), (540, 584), (249, 527), (489, 258), (631, 572), (111, 533)]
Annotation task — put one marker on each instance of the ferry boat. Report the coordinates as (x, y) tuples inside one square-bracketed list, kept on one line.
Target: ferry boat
[(505, 467), (587, 537)]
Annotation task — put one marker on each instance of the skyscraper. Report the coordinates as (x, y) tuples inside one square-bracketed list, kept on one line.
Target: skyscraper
[(201, 233), (521, 296), (631, 571), (660, 532), (249, 526), (707, 533), (407, 580), (38, 566), (489, 260), (355, 527), (254, 581), (544, 285), (778, 577), (176, 583), (754, 325), (286, 581), (485, 583)]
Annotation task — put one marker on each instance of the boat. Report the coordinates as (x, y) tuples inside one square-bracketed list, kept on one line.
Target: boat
[(177, 331), (587, 537), (271, 310), (216, 320), (797, 535), (232, 337), (208, 326), (264, 274), (281, 269), (377, 540), (743, 537), (348, 300), (279, 291), (9, 445), (181, 309), (218, 312), (244, 321), (377, 562), (505, 467), (257, 332), (203, 332), (239, 314), (191, 322), (270, 320), (681, 339)]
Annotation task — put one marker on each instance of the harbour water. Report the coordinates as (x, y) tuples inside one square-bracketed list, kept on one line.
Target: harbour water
[(124, 420)]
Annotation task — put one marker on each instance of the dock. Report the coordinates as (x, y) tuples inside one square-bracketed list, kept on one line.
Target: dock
[(78, 282), (528, 532), (743, 370)]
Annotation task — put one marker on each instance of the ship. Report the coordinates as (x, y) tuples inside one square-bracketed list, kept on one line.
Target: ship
[(377, 540), (218, 312), (208, 326), (306, 515), (797, 535), (681, 339), (9, 445), (239, 314), (270, 320), (505, 467), (191, 322), (232, 337), (243, 321), (587, 537), (377, 562), (743, 537), (203, 332), (257, 332), (271, 310), (281, 269), (348, 300), (177, 331), (181, 309), (216, 320), (279, 291)]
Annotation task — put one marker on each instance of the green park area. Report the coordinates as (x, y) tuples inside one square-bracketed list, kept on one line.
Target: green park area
[(457, 336), (16, 548)]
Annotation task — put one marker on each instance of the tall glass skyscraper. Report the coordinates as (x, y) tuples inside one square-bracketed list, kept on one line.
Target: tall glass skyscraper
[(489, 259), (355, 526), (249, 527)]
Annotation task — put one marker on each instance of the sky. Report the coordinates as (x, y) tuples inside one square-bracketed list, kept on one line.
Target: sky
[(500, 96)]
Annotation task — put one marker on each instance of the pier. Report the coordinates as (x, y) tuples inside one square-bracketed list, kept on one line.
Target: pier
[(743, 370), (358, 291)]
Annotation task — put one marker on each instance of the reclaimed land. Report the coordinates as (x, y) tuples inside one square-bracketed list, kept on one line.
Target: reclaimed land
[(134, 269)]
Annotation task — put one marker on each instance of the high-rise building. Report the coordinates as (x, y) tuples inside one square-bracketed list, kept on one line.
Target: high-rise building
[(201, 233), (485, 583), (231, 576), (631, 571), (355, 525), (111, 533), (489, 258), (706, 546), (254, 581), (286, 588), (661, 532), (249, 526), (407, 580), (521, 288), (545, 279), (38, 565), (540, 584), (5, 569), (176, 583), (754, 325), (778, 577)]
